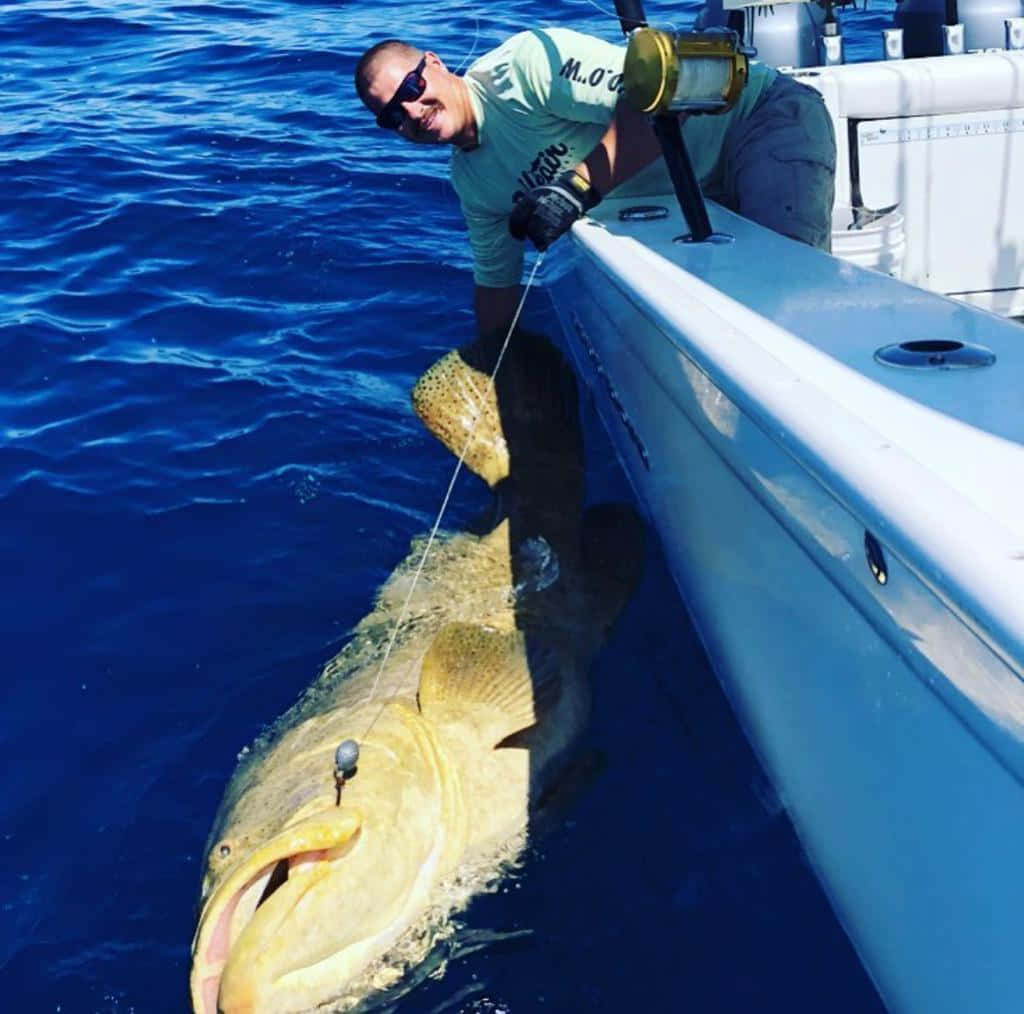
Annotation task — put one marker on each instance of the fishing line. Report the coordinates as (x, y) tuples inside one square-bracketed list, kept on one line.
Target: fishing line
[(346, 757), (615, 14), (476, 39), (447, 497)]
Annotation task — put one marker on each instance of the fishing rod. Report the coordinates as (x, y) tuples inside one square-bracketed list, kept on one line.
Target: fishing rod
[(666, 74)]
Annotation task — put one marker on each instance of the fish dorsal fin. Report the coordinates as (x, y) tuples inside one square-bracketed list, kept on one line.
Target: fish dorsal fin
[(510, 680), (449, 397)]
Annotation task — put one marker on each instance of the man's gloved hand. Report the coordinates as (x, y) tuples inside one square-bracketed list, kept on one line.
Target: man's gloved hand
[(549, 210)]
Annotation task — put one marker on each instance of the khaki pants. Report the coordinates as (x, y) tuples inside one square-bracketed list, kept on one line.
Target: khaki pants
[(779, 164)]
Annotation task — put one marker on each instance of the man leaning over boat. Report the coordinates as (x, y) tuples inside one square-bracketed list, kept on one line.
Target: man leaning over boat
[(540, 133)]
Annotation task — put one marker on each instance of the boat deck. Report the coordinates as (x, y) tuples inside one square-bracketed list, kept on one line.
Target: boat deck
[(964, 425)]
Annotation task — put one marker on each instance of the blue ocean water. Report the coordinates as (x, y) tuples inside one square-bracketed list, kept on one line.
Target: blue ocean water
[(219, 282)]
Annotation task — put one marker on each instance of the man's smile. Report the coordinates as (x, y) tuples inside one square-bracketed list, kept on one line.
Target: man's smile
[(424, 126)]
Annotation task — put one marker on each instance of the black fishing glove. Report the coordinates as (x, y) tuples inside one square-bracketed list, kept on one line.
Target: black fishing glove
[(549, 210)]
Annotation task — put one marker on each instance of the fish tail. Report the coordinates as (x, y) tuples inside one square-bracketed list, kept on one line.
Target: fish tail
[(526, 442), (456, 402)]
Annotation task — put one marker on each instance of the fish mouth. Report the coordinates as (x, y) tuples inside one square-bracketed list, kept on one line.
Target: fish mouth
[(289, 864)]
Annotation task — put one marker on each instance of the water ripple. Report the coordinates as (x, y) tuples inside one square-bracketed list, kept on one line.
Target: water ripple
[(220, 280)]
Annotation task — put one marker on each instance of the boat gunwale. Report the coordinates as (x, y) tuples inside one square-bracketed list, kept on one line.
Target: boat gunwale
[(885, 481)]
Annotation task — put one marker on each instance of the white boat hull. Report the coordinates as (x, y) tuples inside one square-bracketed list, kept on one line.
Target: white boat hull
[(890, 716)]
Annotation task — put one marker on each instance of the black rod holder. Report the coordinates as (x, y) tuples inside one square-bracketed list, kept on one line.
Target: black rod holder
[(684, 180), (669, 133)]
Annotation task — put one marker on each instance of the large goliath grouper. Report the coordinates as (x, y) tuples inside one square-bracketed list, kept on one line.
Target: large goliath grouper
[(320, 888)]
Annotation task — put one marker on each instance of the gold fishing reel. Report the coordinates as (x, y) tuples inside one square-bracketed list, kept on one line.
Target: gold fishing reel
[(684, 72)]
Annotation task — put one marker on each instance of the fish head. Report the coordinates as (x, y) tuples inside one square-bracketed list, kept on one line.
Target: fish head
[(305, 885), (269, 897)]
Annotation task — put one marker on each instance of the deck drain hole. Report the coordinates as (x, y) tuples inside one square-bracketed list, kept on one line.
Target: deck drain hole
[(643, 213), (715, 239), (935, 354)]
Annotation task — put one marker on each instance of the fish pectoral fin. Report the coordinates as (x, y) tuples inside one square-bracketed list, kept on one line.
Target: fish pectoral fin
[(512, 677)]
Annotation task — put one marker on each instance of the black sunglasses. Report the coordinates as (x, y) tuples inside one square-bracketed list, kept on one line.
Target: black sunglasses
[(413, 85)]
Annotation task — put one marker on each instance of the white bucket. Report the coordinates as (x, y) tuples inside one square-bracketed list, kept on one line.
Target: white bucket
[(881, 244)]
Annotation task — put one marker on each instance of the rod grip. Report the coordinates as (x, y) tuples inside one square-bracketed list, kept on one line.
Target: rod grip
[(631, 15)]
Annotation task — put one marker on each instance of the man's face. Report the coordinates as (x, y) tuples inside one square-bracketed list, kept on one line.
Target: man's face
[(437, 116)]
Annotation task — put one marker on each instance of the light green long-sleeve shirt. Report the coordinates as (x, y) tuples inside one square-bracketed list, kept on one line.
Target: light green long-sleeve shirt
[(542, 101)]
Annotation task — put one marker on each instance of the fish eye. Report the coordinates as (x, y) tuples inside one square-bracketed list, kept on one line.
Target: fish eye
[(224, 851)]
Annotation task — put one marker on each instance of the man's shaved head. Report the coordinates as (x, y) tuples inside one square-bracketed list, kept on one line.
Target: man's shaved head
[(433, 108), (372, 58)]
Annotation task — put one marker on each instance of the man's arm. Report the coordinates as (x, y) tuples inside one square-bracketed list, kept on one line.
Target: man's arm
[(495, 308), (628, 145), (549, 210)]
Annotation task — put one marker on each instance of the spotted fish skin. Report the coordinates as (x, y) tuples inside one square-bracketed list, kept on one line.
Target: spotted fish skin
[(459, 406), (520, 432), (315, 892)]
